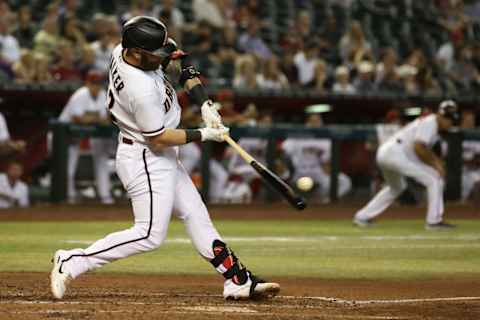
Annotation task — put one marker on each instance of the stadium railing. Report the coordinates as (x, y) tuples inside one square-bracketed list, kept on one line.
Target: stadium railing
[(62, 133)]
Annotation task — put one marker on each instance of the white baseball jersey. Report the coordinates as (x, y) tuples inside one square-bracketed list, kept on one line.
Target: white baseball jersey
[(423, 129), (470, 150), (385, 131), (10, 194), (470, 173), (142, 103), (82, 102), (4, 134), (308, 152)]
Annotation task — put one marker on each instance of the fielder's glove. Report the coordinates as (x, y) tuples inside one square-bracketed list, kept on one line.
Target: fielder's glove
[(214, 134), (210, 115)]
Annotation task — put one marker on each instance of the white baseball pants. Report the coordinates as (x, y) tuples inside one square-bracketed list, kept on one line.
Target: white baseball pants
[(157, 185), (395, 166), (99, 149)]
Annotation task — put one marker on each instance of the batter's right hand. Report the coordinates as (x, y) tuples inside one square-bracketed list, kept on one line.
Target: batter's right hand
[(214, 134)]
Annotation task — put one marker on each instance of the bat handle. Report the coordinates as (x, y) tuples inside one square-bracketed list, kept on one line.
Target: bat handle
[(248, 158)]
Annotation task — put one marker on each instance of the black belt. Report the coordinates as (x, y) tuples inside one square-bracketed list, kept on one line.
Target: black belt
[(127, 141)]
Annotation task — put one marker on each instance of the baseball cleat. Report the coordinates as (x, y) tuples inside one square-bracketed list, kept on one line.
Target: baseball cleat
[(440, 226), (363, 223), (255, 289), (59, 278)]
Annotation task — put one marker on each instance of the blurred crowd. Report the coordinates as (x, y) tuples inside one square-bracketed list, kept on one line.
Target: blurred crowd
[(362, 47), (429, 47)]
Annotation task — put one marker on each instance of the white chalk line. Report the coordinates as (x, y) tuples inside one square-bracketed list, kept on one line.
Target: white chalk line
[(322, 299), (465, 237)]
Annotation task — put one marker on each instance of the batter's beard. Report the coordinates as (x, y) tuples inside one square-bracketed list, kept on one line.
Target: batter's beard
[(147, 65)]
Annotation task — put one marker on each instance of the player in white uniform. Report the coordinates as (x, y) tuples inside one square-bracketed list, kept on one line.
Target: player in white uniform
[(7, 145), (87, 106), (238, 189), (408, 154), (311, 158), (144, 106), (471, 160), (13, 192)]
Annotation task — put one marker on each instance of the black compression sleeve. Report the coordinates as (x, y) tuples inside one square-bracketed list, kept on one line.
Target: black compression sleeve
[(193, 135), (198, 94)]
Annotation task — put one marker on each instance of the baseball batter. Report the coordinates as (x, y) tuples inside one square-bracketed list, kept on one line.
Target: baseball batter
[(87, 106), (408, 154), (144, 106)]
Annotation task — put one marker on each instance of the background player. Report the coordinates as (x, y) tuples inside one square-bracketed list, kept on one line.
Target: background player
[(311, 158), (7, 145), (408, 154), (144, 105), (471, 161), (242, 175), (87, 106), (13, 191)]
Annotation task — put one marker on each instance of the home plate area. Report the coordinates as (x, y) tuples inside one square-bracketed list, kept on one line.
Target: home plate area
[(123, 296)]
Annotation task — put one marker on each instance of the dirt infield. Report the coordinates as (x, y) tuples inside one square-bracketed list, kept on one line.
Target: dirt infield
[(128, 297), (236, 212), (122, 296)]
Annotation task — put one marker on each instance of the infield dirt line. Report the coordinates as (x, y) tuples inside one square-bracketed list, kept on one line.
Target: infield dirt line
[(323, 299), (49, 312)]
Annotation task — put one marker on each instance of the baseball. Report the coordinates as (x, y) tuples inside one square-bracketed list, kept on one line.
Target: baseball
[(305, 184)]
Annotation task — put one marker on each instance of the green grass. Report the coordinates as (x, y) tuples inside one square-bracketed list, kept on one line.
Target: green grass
[(326, 248)]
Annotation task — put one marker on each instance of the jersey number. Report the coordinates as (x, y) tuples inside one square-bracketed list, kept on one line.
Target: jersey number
[(111, 100)]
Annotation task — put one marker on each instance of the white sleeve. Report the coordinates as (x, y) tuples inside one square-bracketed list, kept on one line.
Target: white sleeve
[(426, 131), (23, 199), (4, 134), (287, 146), (149, 114), (102, 103), (327, 151), (73, 108)]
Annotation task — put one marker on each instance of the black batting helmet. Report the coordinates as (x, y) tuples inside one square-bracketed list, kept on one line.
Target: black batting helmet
[(449, 109), (146, 33)]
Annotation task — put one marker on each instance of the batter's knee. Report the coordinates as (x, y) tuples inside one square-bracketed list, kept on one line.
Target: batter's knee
[(152, 236), (397, 190), (157, 237)]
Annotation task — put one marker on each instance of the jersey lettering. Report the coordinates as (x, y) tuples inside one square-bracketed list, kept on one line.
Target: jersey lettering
[(117, 80), (169, 92)]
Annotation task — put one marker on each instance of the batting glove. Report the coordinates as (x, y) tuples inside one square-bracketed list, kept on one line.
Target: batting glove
[(214, 134), (210, 115)]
